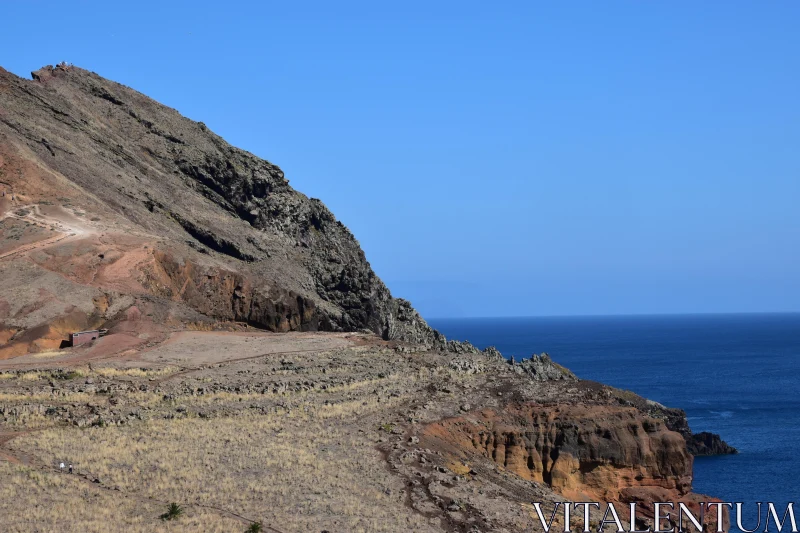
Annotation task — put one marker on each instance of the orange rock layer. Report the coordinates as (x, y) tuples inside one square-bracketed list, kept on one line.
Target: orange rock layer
[(596, 453)]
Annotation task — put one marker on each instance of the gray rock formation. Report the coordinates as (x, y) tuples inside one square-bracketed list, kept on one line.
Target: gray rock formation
[(542, 368), (143, 163), (703, 443), (706, 443), (493, 353), (461, 347)]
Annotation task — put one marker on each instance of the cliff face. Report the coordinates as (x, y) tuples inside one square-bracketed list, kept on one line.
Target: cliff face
[(598, 453), (703, 443), (586, 452), (225, 233)]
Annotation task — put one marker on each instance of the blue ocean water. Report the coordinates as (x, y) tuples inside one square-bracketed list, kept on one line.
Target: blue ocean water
[(737, 375)]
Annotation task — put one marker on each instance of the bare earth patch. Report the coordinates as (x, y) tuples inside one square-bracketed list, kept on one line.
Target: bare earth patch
[(205, 347)]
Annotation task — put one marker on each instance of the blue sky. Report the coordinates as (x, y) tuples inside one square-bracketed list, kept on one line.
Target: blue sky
[(538, 158)]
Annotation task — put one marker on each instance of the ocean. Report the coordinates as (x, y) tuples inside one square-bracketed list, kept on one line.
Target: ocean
[(737, 375)]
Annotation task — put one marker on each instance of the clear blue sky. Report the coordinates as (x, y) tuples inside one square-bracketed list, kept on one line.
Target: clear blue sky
[(538, 158)]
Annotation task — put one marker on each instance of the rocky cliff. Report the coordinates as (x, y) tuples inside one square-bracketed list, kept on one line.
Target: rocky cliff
[(707, 443), (214, 230), (585, 452), (598, 453), (703, 443)]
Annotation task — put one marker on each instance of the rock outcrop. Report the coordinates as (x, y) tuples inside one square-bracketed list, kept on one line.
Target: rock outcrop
[(229, 295), (706, 443), (698, 444), (583, 451), (543, 368), (598, 453)]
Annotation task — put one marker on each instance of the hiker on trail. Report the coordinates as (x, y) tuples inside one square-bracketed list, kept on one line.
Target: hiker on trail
[(70, 468), (61, 466)]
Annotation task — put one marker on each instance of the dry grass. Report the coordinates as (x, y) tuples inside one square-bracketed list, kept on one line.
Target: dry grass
[(33, 376), (41, 397), (36, 375), (301, 456), (64, 503), (301, 469), (111, 372), (82, 372), (49, 354)]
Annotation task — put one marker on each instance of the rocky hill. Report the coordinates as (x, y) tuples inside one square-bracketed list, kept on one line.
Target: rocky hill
[(157, 210), (117, 212)]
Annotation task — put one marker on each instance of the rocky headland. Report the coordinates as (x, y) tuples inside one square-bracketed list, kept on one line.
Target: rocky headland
[(256, 369)]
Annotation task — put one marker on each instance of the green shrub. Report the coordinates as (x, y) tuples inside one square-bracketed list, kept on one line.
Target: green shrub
[(174, 511)]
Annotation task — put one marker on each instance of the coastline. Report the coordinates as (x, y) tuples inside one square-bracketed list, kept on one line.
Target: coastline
[(731, 375)]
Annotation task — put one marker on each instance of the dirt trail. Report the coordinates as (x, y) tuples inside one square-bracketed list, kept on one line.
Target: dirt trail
[(35, 245), (9, 455), (4, 455), (35, 216)]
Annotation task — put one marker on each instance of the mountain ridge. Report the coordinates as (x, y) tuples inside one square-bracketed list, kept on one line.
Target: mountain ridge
[(128, 160)]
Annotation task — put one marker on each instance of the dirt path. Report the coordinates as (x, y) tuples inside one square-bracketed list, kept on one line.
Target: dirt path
[(35, 216), (10, 456), (4, 455), (7, 454), (36, 245)]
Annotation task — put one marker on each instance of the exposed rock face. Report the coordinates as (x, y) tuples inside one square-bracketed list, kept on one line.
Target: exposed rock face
[(461, 347), (138, 167), (231, 296), (703, 443), (537, 367), (584, 452), (542, 368)]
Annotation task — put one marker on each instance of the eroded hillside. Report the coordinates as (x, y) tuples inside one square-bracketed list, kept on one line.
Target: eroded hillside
[(124, 198)]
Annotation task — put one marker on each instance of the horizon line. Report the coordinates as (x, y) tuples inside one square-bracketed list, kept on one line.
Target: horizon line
[(620, 315)]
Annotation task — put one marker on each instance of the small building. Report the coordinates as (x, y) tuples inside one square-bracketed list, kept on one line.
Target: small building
[(82, 337)]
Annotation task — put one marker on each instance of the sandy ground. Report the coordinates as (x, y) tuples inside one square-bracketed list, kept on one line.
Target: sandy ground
[(199, 347), (187, 349)]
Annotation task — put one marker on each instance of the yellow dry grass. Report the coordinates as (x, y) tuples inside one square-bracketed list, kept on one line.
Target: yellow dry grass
[(111, 372), (42, 397), (35, 500), (300, 468), (49, 354)]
